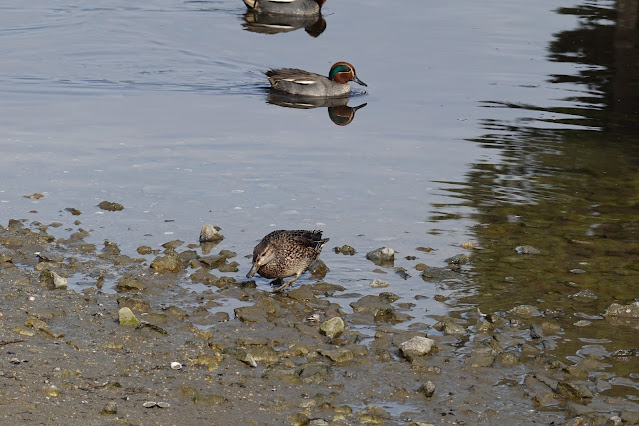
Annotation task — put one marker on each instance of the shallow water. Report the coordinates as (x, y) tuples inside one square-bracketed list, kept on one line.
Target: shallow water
[(521, 117)]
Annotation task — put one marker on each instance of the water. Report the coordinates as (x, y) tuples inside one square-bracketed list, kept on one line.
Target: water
[(521, 117)]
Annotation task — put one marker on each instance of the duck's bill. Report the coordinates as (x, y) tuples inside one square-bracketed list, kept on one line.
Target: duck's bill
[(253, 270), (358, 81)]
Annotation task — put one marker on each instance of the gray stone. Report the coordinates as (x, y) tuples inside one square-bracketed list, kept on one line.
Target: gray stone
[(377, 283), (626, 311), (383, 256), (574, 390), (52, 278), (210, 233), (427, 389), (110, 408), (170, 262), (416, 346), (333, 327), (527, 250)]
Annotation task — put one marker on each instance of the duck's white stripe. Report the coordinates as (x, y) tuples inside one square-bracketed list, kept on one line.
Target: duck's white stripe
[(299, 81)]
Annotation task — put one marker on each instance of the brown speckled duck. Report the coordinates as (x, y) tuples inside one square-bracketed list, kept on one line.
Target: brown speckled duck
[(283, 253)]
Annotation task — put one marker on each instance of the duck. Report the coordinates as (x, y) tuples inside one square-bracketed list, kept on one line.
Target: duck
[(286, 7), (304, 83), (285, 253)]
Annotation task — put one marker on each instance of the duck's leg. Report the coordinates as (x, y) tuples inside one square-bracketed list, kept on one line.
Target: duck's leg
[(276, 281), (287, 283)]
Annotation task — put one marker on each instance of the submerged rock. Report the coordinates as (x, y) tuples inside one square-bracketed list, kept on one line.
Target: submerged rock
[(626, 311), (383, 256), (345, 249), (170, 262), (377, 283), (527, 250)]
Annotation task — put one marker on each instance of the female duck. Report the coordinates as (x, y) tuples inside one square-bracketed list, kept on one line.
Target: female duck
[(305, 83), (286, 7), (284, 253)]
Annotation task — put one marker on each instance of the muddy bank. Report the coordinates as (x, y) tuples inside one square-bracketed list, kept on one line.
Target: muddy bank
[(293, 358)]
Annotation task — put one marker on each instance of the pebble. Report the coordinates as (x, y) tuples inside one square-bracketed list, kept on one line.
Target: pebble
[(416, 346), (427, 389), (126, 317)]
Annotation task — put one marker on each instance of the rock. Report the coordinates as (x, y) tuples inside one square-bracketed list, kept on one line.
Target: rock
[(53, 279), (111, 206), (251, 313), (129, 283), (73, 211), (339, 355), (574, 390), (427, 389), (626, 311), (144, 250), (318, 269), (209, 234), (383, 256), (380, 308), (136, 304), (416, 346), (126, 317), (110, 408), (458, 259), (345, 249), (536, 331), (316, 372), (527, 250), (213, 261), (170, 262), (377, 283), (481, 357), (333, 327), (450, 328), (584, 296)]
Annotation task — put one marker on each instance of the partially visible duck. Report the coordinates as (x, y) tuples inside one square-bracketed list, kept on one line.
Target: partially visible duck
[(286, 7), (305, 83)]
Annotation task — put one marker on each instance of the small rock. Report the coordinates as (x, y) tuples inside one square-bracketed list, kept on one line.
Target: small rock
[(126, 317), (345, 249), (574, 390), (377, 283), (339, 355), (468, 245), (52, 278), (536, 331), (144, 250), (628, 311), (73, 211), (333, 327), (110, 408), (417, 346), (170, 262), (586, 295), (176, 366), (383, 256), (527, 250), (129, 283), (210, 233), (111, 206), (458, 259), (427, 389)]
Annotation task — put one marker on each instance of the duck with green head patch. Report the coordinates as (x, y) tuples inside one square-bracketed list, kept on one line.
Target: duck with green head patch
[(305, 83)]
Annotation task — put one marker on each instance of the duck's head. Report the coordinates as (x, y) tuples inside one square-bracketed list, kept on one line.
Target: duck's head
[(343, 72), (261, 256)]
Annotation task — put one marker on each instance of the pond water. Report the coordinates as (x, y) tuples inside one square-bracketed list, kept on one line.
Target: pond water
[(499, 124)]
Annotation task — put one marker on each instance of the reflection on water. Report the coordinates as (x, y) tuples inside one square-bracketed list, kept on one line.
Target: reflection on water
[(265, 23), (569, 187), (338, 110)]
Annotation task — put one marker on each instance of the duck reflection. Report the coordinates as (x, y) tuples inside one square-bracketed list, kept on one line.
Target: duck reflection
[(338, 110), (277, 16), (267, 23)]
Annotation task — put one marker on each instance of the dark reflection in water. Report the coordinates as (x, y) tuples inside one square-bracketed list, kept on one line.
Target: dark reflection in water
[(338, 110), (565, 181), (265, 23)]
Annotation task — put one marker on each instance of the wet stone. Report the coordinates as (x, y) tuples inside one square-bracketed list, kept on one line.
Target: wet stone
[(210, 233), (458, 259), (416, 346), (427, 389), (173, 244), (536, 332), (527, 250), (213, 261), (54, 280), (626, 311), (110, 408), (332, 327), (316, 372), (384, 257), (170, 262), (450, 328), (203, 276), (136, 304), (143, 250), (318, 269), (251, 313), (111, 206), (303, 293), (574, 390), (209, 399), (339, 355), (129, 283), (345, 249), (73, 211), (584, 296), (126, 317), (377, 283)]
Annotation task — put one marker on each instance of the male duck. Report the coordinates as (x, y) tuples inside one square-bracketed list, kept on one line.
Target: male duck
[(282, 253), (305, 83), (286, 7)]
